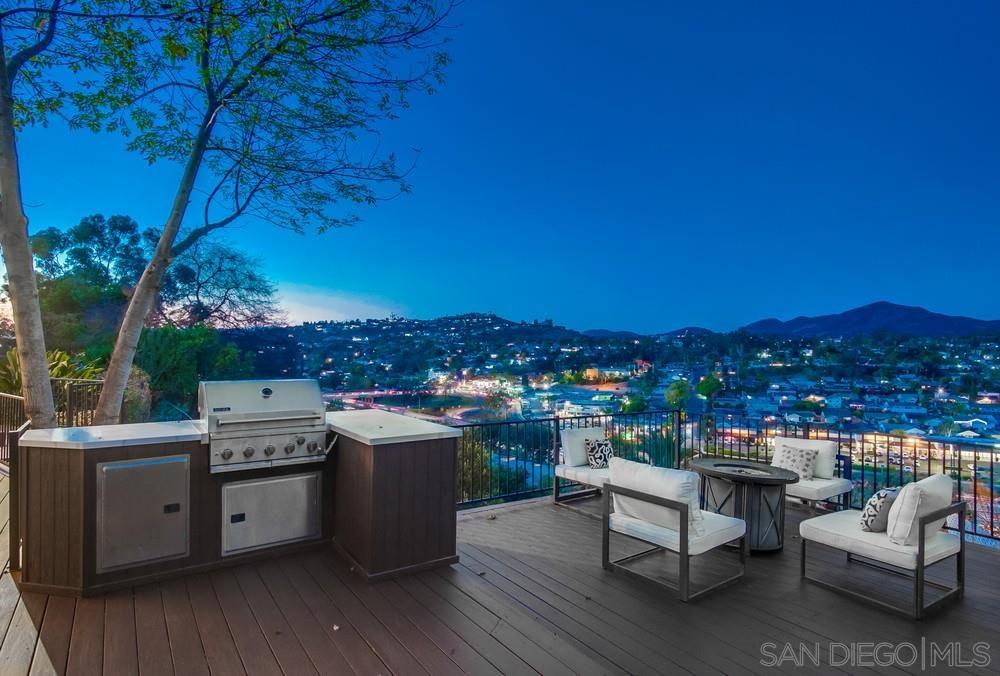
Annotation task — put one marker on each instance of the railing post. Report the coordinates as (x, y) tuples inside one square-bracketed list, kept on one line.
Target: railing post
[(14, 501), (676, 438), (70, 413), (555, 441)]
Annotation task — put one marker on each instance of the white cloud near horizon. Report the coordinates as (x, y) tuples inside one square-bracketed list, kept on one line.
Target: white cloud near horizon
[(303, 303)]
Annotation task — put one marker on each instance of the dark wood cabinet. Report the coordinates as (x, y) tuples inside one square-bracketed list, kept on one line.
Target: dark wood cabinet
[(395, 505)]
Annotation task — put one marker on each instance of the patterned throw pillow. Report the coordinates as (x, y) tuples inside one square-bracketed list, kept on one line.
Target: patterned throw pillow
[(802, 461), (599, 451), (875, 515)]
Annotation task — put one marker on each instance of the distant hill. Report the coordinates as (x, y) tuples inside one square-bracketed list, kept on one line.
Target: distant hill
[(877, 317), (687, 331), (605, 333)]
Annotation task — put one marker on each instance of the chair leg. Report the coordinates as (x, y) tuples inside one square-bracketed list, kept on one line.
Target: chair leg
[(555, 489), (918, 592), (684, 586), (606, 533), (802, 559), (960, 569)]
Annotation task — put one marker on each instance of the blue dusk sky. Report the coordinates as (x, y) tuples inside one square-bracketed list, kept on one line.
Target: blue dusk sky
[(647, 166)]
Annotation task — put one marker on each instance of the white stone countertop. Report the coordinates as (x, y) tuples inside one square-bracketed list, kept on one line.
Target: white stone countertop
[(374, 427), (108, 436)]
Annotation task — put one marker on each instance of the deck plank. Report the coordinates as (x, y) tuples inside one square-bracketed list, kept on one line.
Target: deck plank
[(186, 648), (19, 642), (352, 645), (322, 651), (253, 647), (450, 643), (292, 659), (52, 649), (386, 646), (473, 634), (528, 625), (86, 647), (406, 632), (120, 651), (152, 643), (220, 649), (9, 596)]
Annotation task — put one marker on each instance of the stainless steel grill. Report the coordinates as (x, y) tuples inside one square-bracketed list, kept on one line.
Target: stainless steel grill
[(262, 423)]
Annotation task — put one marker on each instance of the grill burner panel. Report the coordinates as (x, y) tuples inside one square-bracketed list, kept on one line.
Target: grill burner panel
[(263, 423)]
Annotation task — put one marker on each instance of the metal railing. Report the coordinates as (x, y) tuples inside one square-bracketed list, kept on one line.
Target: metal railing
[(75, 401), (11, 418), (505, 461)]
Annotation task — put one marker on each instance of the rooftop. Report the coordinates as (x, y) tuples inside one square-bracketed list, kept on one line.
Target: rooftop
[(529, 595)]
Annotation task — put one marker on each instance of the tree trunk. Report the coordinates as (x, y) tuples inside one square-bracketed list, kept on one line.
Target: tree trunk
[(37, 388), (144, 297)]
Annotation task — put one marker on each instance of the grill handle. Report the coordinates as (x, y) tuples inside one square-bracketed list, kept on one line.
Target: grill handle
[(243, 421)]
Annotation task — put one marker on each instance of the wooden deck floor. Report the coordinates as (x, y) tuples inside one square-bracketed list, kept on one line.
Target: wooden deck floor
[(529, 596)]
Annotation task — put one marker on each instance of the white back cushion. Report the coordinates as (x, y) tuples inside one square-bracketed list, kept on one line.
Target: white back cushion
[(674, 484), (826, 458), (573, 443), (903, 514), (914, 501)]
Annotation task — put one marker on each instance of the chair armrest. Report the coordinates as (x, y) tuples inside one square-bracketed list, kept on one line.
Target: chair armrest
[(681, 507), (845, 465), (943, 513)]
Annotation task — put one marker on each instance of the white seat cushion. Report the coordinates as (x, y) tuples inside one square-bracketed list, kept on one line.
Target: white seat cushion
[(584, 474), (574, 443), (842, 530), (826, 458), (673, 484), (718, 530), (819, 489)]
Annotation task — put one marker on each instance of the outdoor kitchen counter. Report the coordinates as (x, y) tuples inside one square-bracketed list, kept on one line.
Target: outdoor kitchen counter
[(394, 492), (106, 507), (109, 436), (375, 428)]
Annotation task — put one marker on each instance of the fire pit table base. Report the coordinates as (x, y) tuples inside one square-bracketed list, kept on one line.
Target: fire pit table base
[(750, 491), (762, 507)]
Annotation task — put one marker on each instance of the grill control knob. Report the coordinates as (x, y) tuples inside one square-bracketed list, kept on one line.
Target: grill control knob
[(289, 448), (248, 451), (269, 450), (300, 440), (227, 454), (312, 447)]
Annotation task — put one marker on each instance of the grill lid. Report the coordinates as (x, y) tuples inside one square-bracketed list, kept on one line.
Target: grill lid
[(258, 401)]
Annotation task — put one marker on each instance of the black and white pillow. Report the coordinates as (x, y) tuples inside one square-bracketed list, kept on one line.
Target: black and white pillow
[(875, 515), (802, 461), (599, 451)]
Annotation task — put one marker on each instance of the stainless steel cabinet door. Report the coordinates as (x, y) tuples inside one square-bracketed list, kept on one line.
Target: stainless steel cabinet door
[(142, 511), (265, 512)]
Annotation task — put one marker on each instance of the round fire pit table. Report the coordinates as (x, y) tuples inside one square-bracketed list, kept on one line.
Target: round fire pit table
[(751, 491)]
